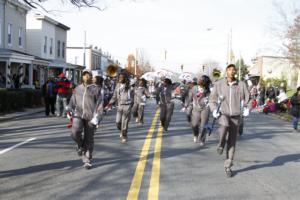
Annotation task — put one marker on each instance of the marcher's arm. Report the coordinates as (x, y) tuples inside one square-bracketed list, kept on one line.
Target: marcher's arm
[(213, 98), (114, 97), (99, 107), (71, 106)]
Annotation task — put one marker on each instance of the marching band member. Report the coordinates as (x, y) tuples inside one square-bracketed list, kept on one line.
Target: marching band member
[(123, 94), (234, 92), (86, 109), (140, 95), (200, 114), (166, 103)]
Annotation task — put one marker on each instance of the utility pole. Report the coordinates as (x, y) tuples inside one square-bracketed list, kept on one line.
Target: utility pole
[(240, 62), (84, 49), (136, 61)]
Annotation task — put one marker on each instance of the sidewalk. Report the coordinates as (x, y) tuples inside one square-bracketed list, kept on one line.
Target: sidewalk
[(26, 112)]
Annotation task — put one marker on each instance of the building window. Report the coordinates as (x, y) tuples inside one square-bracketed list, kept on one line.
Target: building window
[(51, 46), (63, 50), (58, 48), (20, 37), (9, 32), (45, 44)]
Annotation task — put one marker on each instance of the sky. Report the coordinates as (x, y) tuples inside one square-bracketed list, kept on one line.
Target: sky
[(192, 32)]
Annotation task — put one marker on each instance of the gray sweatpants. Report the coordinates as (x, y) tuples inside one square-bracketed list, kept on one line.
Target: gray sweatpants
[(189, 111), (199, 120), (139, 110), (85, 141), (229, 127), (123, 118), (166, 112)]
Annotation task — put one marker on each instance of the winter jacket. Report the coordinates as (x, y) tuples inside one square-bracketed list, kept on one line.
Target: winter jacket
[(140, 93), (233, 96), (122, 95), (86, 102), (199, 98), (295, 101)]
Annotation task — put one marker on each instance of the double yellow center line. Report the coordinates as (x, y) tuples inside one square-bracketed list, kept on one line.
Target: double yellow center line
[(133, 193)]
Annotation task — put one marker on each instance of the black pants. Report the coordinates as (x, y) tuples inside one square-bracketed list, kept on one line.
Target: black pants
[(49, 105)]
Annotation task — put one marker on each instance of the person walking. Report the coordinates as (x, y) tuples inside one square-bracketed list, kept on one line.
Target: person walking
[(140, 96), (200, 113), (63, 87), (123, 94), (49, 95), (86, 109), (188, 102), (232, 92), (166, 103), (295, 110)]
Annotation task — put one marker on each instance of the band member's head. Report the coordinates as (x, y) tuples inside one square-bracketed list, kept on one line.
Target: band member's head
[(87, 76), (204, 82), (298, 91), (142, 82), (98, 80), (231, 71), (167, 82), (122, 78)]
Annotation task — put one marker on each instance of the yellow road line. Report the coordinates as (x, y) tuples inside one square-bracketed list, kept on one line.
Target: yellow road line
[(155, 174), (133, 193)]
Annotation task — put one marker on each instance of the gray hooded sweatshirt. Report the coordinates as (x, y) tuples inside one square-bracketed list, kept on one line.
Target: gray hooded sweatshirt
[(233, 95), (86, 102)]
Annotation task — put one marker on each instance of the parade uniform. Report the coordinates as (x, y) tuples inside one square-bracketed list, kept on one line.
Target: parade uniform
[(200, 113), (166, 106), (87, 109), (140, 95), (188, 104), (234, 93), (124, 97)]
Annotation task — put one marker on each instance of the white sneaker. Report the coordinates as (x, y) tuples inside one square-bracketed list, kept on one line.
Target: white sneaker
[(137, 120), (195, 139), (87, 165)]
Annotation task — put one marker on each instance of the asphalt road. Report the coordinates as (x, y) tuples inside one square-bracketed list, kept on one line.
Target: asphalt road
[(151, 165)]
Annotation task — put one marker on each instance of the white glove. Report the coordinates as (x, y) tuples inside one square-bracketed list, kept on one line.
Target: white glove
[(95, 121), (183, 109), (246, 112), (69, 115), (144, 98), (216, 114)]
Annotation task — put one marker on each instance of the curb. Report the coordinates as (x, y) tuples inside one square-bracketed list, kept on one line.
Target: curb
[(21, 114)]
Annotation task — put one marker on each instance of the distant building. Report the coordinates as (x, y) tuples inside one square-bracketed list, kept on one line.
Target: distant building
[(92, 58), (275, 67), (14, 59)]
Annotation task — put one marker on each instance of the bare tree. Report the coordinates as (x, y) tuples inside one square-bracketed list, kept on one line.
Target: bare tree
[(143, 61), (286, 29)]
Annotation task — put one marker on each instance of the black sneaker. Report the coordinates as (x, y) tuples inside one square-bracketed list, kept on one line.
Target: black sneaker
[(79, 151)]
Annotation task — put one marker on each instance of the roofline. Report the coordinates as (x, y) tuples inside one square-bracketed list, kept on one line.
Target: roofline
[(21, 5), (52, 21)]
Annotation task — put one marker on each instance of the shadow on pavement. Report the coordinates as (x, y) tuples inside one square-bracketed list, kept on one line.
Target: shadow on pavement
[(278, 161), (70, 164)]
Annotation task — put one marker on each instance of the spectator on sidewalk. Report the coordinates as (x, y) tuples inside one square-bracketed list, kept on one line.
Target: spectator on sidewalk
[(63, 88), (295, 110), (49, 95)]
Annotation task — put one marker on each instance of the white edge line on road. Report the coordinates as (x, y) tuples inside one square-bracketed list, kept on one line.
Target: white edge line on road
[(16, 145)]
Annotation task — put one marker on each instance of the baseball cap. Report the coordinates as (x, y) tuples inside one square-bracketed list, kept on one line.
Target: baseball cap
[(87, 71)]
